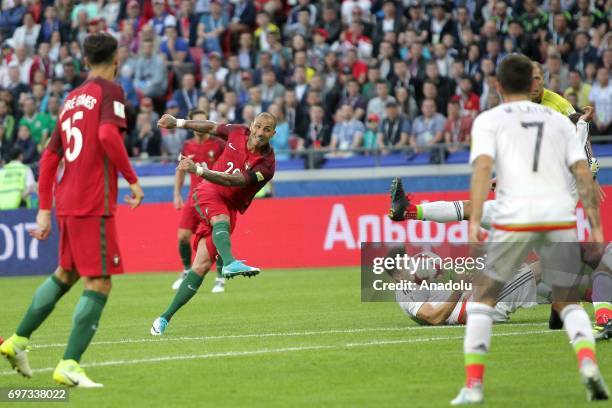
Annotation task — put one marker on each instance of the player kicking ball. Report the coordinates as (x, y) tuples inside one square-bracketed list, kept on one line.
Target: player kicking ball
[(534, 149), (203, 149), (246, 165), (88, 138)]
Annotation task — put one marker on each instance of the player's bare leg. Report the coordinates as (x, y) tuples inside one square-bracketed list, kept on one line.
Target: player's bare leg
[(15, 348), (188, 288), (85, 322), (403, 209), (221, 238), (602, 290), (184, 246)]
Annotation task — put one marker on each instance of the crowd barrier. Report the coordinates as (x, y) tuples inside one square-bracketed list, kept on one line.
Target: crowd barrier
[(274, 233)]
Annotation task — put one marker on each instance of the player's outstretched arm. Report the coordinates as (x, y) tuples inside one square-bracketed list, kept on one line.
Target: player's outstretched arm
[(216, 177), (587, 190), (200, 126)]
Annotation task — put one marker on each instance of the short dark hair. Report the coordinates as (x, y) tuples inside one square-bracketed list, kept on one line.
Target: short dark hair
[(14, 153), (194, 112), (100, 48), (267, 115), (515, 74)]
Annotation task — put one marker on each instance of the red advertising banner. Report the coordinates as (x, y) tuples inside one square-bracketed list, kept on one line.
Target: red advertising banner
[(298, 232)]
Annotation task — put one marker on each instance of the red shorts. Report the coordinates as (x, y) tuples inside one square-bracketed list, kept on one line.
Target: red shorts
[(208, 205), (189, 217), (89, 245)]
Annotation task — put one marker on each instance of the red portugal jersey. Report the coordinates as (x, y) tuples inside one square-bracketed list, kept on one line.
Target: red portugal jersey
[(205, 153), (88, 185), (258, 169)]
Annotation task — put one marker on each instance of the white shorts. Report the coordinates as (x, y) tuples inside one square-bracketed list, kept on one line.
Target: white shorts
[(558, 250)]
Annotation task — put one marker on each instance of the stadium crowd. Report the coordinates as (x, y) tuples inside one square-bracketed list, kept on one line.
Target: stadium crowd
[(367, 74)]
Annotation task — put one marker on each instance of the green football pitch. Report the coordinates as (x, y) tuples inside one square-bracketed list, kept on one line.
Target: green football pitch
[(289, 338)]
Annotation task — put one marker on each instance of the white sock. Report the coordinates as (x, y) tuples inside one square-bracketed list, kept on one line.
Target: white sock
[(442, 211), (602, 287), (577, 324), (478, 328), (487, 214)]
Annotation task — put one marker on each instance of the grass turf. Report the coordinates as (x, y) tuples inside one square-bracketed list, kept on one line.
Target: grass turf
[(288, 338)]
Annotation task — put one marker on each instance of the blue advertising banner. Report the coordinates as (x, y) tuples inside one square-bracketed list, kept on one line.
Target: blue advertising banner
[(20, 254)]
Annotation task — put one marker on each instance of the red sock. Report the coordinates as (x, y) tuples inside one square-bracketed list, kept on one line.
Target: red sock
[(585, 352), (474, 374), (411, 212)]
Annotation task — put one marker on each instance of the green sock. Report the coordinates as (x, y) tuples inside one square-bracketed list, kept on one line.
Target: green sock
[(221, 239), (84, 323), (45, 298), (188, 288), (185, 252), (219, 267)]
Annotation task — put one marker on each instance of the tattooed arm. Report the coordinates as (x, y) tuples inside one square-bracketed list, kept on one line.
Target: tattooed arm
[(587, 190)]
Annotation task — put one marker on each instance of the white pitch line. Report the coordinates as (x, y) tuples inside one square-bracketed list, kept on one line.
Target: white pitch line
[(276, 350), (278, 334)]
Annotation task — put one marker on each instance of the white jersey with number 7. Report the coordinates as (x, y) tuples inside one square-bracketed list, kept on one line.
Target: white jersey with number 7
[(533, 148)]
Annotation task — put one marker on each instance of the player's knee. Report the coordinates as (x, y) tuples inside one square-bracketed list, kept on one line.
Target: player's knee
[(101, 285), (184, 236), (69, 277), (201, 267)]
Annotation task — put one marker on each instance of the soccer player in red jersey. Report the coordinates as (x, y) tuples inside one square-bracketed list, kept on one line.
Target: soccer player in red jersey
[(246, 165), (203, 149), (88, 138)]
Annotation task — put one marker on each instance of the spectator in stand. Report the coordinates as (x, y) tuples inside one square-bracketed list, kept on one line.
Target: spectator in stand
[(332, 23), (302, 26), (430, 91), (186, 96), (353, 98), (583, 53), (7, 121), (347, 134), (23, 59), (394, 131), (601, 99), (26, 34), (579, 88), (469, 101), (265, 30), (38, 124), (5, 145), (211, 28), (212, 89), (172, 139), (15, 85), (391, 21), (555, 67), (270, 89), (187, 22), (280, 141), (214, 67), (243, 18), (406, 102), (370, 136), (72, 79), (457, 128), (146, 106), (150, 75), (377, 105), (42, 62), (176, 50), (440, 24), (533, 19), (246, 52), (161, 18), (317, 133), (12, 17), (427, 129), (110, 14), (145, 139), (27, 145)]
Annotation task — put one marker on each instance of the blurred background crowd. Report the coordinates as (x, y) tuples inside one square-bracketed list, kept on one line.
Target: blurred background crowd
[(340, 76)]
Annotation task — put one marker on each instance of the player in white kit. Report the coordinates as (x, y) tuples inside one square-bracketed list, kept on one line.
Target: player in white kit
[(535, 153)]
